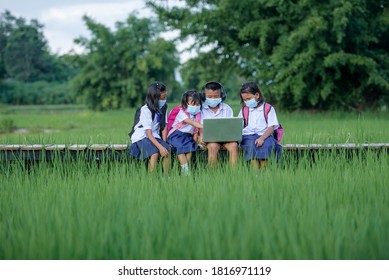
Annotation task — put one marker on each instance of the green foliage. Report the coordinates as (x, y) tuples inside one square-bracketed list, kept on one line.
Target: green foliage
[(29, 74), (41, 92), (332, 209), (7, 125), (24, 54), (206, 67), (75, 124), (304, 54), (119, 65)]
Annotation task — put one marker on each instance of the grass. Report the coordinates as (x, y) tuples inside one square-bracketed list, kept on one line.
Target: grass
[(335, 208), (332, 206), (69, 127), (52, 125)]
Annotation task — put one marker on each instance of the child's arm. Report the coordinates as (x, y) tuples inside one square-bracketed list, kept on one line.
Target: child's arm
[(193, 123), (164, 134), (196, 137), (162, 150), (259, 142), (200, 138)]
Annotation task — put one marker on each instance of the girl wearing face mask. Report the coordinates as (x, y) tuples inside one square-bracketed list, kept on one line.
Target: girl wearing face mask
[(184, 132), (146, 142), (257, 141)]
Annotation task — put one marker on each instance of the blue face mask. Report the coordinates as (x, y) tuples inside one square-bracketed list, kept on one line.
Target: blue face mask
[(252, 103), (161, 103), (213, 102), (193, 110)]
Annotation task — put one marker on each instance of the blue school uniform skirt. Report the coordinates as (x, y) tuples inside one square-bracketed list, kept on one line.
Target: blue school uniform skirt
[(145, 148), (252, 151), (182, 142)]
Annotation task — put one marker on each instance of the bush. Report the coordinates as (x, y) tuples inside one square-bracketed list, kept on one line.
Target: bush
[(7, 125), (37, 93)]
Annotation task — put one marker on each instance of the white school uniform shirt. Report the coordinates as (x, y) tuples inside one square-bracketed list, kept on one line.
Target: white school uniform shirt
[(224, 111), (257, 123), (181, 116), (147, 123)]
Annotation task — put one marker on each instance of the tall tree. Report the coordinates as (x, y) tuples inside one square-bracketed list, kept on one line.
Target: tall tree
[(24, 53), (208, 66), (119, 65), (305, 54), (24, 48)]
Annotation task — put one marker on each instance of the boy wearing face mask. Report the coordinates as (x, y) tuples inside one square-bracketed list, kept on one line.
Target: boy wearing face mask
[(257, 141), (184, 132), (214, 107)]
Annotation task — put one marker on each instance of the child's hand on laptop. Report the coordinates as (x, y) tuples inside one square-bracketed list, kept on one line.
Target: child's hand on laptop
[(200, 142)]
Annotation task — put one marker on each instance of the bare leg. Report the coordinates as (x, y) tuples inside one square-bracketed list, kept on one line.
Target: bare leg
[(152, 162), (232, 148), (256, 164), (213, 150), (263, 163), (166, 164), (182, 159)]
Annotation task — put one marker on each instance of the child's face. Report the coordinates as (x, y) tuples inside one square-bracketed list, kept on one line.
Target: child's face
[(191, 102), (163, 95), (248, 96), (212, 93)]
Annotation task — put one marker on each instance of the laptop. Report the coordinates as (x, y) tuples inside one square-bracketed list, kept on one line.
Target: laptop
[(222, 129)]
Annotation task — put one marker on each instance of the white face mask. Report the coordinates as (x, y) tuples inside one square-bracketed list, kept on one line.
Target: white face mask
[(213, 102), (252, 103), (161, 103), (193, 110)]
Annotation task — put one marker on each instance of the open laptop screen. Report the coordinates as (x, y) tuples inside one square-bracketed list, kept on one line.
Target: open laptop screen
[(222, 129)]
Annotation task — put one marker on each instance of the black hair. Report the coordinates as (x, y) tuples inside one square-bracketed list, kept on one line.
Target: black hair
[(153, 95), (250, 87), (215, 86), (196, 97)]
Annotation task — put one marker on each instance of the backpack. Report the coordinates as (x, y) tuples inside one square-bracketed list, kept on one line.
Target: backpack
[(277, 134), (172, 117), (162, 122)]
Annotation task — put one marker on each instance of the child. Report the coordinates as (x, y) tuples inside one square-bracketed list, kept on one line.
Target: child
[(214, 107), (258, 141), (184, 131), (146, 139)]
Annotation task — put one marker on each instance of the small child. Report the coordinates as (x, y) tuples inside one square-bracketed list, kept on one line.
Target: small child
[(257, 141), (184, 131), (146, 139)]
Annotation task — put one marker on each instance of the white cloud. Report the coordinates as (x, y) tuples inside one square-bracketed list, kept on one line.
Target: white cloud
[(63, 24), (106, 13)]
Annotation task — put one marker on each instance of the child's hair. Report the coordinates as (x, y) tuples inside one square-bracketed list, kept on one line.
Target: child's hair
[(250, 87), (213, 86), (153, 95), (196, 98)]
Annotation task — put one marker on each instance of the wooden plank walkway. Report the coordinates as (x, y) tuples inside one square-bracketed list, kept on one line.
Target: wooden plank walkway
[(119, 151)]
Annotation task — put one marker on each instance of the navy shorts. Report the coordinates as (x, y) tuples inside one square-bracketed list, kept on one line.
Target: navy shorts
[(252, 151), (182, 142), (145, 148)]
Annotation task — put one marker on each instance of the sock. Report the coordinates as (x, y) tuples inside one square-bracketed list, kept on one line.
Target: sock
[(185, 168)]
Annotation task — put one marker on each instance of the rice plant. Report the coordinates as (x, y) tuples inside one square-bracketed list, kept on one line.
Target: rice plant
[(332, 207)]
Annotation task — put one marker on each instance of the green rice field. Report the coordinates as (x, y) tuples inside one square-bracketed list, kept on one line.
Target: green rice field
[(335, 207), (74, 124)]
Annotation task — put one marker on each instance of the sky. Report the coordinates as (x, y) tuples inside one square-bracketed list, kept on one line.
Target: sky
[(63, 23)]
